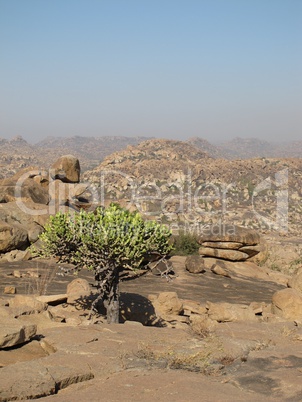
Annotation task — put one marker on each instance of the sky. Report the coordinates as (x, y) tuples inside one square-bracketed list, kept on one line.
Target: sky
[(215, 69)]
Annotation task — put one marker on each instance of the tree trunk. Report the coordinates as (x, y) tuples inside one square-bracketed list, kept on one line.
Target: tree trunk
[(112, 302)]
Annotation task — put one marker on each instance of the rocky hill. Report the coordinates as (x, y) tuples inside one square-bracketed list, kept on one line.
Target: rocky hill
[(174, 182), (90, 150), (16, 154), (215, 151)]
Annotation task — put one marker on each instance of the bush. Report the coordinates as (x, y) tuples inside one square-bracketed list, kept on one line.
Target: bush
[(185, 244)]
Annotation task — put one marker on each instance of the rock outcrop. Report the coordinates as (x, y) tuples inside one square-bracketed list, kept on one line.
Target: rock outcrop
[(229, 242), (12, 331), (287, 303), (28, 199), (295, 282), (66, 169)]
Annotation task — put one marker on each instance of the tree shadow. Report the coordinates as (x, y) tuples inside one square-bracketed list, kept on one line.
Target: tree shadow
[(133, 307)]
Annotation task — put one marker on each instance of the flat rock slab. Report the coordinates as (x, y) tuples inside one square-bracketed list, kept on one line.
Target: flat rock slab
[(13, 333), (137, 363), (34, 379), (159, 385)]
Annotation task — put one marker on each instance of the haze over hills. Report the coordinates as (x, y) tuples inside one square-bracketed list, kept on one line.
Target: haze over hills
[(93, 149), (18, 153), (246, 148)]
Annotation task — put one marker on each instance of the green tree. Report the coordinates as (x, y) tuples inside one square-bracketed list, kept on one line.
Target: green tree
[(107, 241)]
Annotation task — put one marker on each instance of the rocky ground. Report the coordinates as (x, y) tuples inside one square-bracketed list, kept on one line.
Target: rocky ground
[(178, 358)]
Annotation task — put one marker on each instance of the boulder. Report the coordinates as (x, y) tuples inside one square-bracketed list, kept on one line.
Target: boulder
[(231, 245), (16, 255), (287, 303), (13, 333), (33, 232), (195, 264), (67, 313), (12, 236), (60, 192), (167, 303), (225, 254), (251, 250), (229, 242), (26, 214), (219, 270), (193, 307), (52, 299), (9, 290), (66, 169), (77, 289), (23, 186), (22, 223), (228, 312), (295, 282), (26, 304), (202, 324), (229, 233)]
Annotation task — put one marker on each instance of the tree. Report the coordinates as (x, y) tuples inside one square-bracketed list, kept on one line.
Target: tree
[(107, 241)]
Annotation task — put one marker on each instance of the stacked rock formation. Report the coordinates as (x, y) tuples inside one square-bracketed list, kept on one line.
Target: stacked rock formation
[(229, 242), (30, 197)]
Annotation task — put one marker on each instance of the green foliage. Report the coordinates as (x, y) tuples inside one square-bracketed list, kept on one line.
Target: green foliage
[(106, 237), (185, 244)]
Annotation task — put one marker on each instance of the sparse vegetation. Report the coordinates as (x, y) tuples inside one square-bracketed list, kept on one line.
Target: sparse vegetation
[(40, 279), (185, 244)]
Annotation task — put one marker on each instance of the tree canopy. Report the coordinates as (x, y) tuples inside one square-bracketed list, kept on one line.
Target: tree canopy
[(107, 241)]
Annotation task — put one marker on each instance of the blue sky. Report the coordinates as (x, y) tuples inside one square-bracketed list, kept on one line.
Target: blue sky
[(216, 69)]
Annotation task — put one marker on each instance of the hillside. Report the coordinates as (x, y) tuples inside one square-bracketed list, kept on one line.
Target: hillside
[(90, 150), (17, 153), (174, 182)]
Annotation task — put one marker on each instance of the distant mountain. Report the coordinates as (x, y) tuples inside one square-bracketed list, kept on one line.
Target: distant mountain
[(17, 153), (247, 148), (91, 151), (212, 150)]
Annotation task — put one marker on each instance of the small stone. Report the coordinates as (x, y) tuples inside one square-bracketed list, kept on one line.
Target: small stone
[(195, 264), (10, 290), (220, 271)]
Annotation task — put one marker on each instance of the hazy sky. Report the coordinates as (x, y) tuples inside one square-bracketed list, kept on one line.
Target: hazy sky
[(165, 68)]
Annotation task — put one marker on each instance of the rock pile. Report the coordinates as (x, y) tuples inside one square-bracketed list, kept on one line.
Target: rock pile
[(28, 198), (229, 242)]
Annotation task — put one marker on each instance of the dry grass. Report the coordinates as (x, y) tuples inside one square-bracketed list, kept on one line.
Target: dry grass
[(39, 279), (203, 359)]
